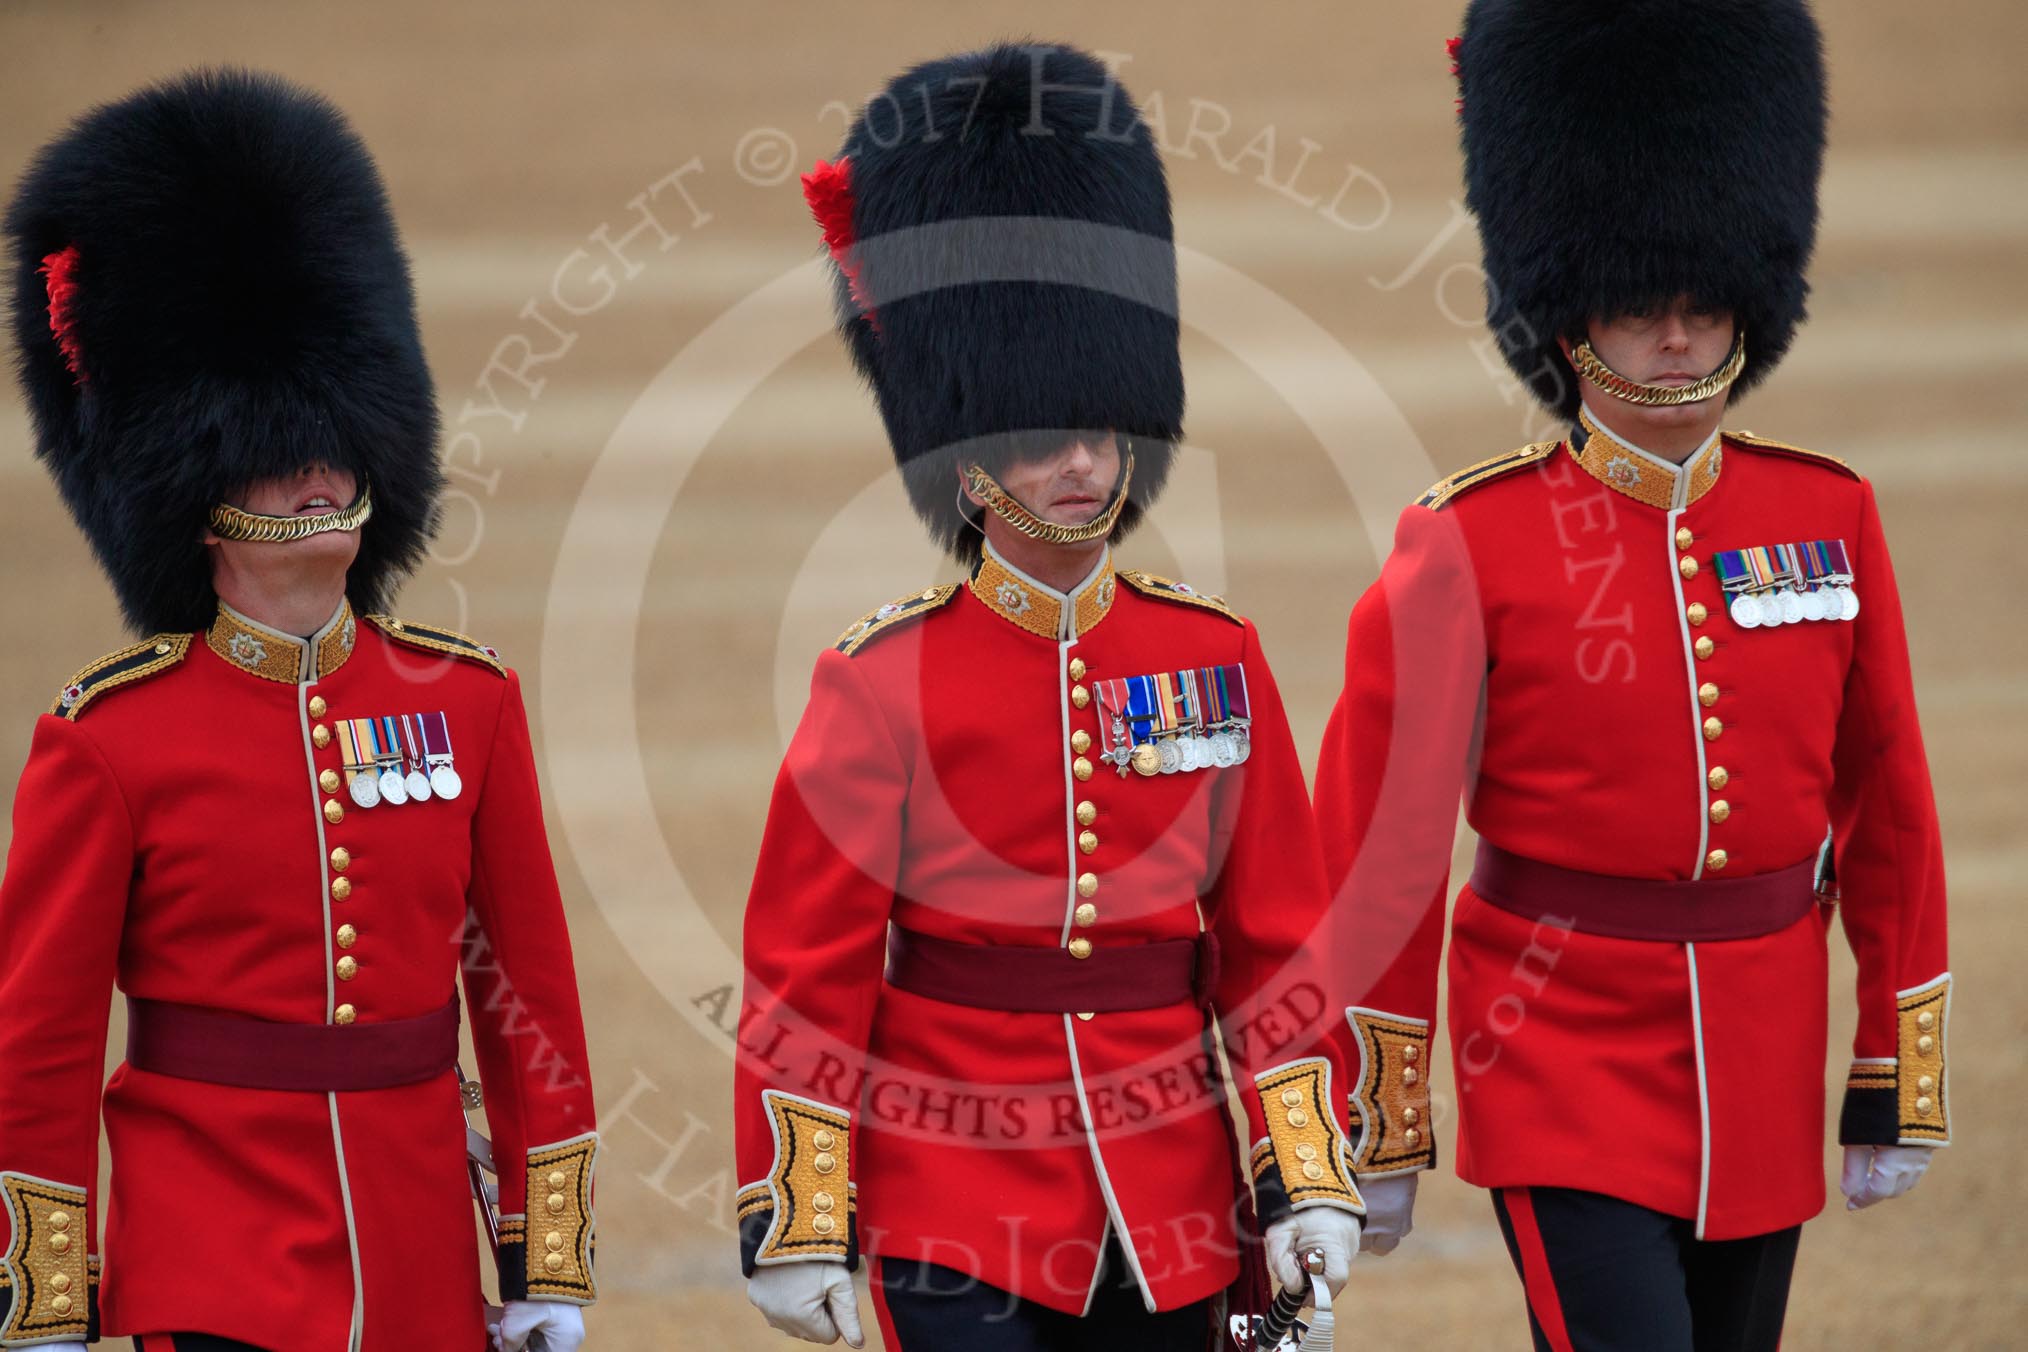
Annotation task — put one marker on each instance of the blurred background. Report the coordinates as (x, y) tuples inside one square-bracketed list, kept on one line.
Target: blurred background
[(670, 493)]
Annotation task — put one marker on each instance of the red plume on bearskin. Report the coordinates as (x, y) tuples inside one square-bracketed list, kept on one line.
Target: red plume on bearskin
[(59, 271), (828, 190)]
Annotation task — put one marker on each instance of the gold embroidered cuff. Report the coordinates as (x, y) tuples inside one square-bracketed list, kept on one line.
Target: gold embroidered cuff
[(809, 1186), (46, 1266), (1392, 1094), (559, 1225), (1919, 1070), (1305, 1144)]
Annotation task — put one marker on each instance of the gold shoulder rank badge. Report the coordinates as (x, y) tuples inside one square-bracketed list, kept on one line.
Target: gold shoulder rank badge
[(1168, 589), (896, 612), (1784, 448), (430, 638), (1443, 490), (129, 664)]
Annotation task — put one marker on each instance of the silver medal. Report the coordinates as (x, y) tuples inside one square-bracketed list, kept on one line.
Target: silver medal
[(1245, 740), (1851, 603), (418, 786), (1745, 609), (446, 782), (1172, 758), (1224, 750), (365, 789), (392, 790), (1814, 605), (1792, 608)]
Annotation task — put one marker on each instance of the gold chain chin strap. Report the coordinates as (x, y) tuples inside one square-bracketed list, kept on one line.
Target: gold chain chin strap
[(1034, 527), (1657, 396), (231, 523)]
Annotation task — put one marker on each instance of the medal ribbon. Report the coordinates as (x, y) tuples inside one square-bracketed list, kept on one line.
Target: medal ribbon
[(1242, 707), (1165, 701), (411, 744), (1762, 568), (1815, 563), (1791, 557), (1112, 701), (366, 737), (1841, 563), (1141, 708), (391, 739), (436, 735), (348, 744), (1193, 697)]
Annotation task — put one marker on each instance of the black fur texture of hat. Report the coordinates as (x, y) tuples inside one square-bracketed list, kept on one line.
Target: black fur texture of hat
[(1005, 270), (208, 290), (1622, 153)]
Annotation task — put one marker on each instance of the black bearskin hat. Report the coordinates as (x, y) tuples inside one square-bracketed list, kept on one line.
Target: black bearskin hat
[(209, 290), (1620, 153), (1005, 270)]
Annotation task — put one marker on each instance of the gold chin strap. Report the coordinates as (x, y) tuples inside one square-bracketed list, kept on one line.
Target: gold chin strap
[(1034, 527), (1657, 396), (231, 523)]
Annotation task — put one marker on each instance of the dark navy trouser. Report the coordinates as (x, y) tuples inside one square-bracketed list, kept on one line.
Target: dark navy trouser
[(1603, 1275)]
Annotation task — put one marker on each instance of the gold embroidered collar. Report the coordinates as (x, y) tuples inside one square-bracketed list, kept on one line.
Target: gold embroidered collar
[(1641, 475), (253, 647), (1041, 609)]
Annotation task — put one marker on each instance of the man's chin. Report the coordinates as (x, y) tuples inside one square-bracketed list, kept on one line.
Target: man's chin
[(1082, 514)]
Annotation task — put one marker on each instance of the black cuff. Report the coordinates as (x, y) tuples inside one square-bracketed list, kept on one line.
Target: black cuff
[(754, 1224), (1270, 1196), (1870, 1116)]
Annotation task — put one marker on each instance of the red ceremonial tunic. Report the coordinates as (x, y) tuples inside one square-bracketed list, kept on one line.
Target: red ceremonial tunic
[(184, 830), (1551, 638), (947, 778)]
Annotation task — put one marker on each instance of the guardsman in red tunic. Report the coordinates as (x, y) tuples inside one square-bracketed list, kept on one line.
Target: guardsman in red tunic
[(1035, 829), (1664, 665), (284, 821)]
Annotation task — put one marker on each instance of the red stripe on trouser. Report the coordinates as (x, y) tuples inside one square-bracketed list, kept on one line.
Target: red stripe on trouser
[(1535, 1279), (878, 1290)]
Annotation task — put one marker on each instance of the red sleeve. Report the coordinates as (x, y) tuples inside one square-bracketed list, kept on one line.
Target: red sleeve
[(1396, 758), (815, 947), (528, 1028), (1268, 909), (63, 904), (1888, 854)]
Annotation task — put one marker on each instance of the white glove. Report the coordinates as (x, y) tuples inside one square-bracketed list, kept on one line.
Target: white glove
[(1334, 1231), (561, 1326), (1390, 1212), (813, 1301), (1874, 1173)]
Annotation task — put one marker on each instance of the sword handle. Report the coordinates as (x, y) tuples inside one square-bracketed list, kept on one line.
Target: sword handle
[(1287, 1307)]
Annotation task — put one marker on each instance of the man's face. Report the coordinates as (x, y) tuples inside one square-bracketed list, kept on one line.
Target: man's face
[(1070, 485), (1675, 345), (315, 490)]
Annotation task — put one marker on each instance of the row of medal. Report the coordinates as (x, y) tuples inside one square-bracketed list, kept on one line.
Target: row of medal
[(1172, 722), (1773, 585), (398, 758)]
